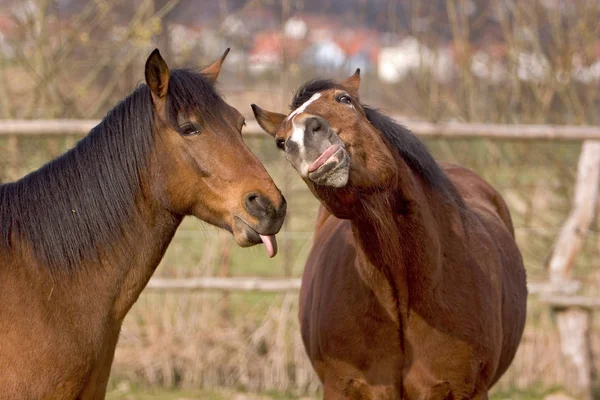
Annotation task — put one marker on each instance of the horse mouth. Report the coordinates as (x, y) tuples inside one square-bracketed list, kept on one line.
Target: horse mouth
[(331, 168), (246, 236)]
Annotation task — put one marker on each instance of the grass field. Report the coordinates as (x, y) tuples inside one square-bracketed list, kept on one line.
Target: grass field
[(125, 392), (185, 345), (250, 341)]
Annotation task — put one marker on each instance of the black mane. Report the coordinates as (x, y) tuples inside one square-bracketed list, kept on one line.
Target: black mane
[(72, 208), (409, 147)]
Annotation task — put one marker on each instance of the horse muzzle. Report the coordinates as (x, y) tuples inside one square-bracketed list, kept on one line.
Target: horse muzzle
[(331, 168), (269, 220)]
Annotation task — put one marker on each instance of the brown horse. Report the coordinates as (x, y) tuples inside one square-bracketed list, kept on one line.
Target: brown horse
[(81, 236), (415, 287)]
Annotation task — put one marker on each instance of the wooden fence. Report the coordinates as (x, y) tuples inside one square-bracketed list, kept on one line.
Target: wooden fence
[(450, 130), (561, 292)]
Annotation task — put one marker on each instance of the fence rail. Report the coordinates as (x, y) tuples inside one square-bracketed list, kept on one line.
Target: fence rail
[(249, 284), (449, 130), (282, 285), (573, 313)]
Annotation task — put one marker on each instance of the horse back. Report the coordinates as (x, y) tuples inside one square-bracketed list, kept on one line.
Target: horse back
[(479, 194)]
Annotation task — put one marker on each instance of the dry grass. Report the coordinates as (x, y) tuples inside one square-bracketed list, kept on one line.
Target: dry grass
[(182, 340), (251, 341), (185, 340)]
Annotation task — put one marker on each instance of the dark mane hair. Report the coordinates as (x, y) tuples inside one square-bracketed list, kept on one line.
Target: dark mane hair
[(409, 147), (72, 208)]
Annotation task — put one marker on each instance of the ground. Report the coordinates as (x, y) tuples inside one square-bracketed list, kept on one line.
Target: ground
[(124, 391)]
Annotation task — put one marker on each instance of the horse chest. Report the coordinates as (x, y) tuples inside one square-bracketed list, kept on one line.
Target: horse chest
[(346, 330)]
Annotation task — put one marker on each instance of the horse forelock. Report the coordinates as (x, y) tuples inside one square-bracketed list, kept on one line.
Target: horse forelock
[(193, 93)]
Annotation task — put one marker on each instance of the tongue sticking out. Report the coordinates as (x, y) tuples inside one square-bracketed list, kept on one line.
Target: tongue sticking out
[(270, 244), (326, 155)]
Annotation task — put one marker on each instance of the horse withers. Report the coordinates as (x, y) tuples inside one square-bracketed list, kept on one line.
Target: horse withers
[(81, 236), (415, 287)]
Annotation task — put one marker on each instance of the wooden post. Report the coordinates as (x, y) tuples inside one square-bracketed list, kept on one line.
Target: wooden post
[(574, 322), (574, 329), (576, 227)]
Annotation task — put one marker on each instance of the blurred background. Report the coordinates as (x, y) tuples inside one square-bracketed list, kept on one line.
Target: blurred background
[(472, 61)]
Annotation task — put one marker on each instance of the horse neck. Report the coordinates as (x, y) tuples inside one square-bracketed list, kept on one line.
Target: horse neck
[(130, 255), (398, 242), (145, 238), (128, 263), (145, 242)]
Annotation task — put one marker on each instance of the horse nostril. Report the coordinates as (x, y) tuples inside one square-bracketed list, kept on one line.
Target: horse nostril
[(314, 125), (258, 205)]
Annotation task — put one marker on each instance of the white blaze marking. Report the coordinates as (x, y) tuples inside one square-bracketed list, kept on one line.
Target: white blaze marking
[(298, 138), (303, 106), (298, 134)]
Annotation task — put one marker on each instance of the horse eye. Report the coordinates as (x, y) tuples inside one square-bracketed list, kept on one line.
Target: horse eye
[(189, 129), (345, 99), (280, 143)]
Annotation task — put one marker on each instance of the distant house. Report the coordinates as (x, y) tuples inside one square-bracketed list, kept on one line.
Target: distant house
[(325, 55), (396, 62), (362, 49), (533, 67), (234, 26), (295, 28), (265, 54), (7, 26), (485, 66), (185, 38), (360, 60), (586, 67)]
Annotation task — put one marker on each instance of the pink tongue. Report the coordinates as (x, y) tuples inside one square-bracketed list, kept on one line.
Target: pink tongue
[(323, 157), (270, 244)]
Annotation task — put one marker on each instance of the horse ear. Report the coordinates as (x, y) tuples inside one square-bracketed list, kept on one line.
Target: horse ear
[(353, 83), (212, 71), (268, 120), (157, 75)]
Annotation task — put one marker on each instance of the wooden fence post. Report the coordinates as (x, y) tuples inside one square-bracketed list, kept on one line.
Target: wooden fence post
[(574, 322), (576, 227), (574, 330)]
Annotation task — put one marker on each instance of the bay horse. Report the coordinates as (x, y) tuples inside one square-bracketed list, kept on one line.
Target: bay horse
[(414, 287), (81, 236)]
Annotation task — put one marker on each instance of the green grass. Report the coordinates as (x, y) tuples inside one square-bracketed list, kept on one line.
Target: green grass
[(535, 393)]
